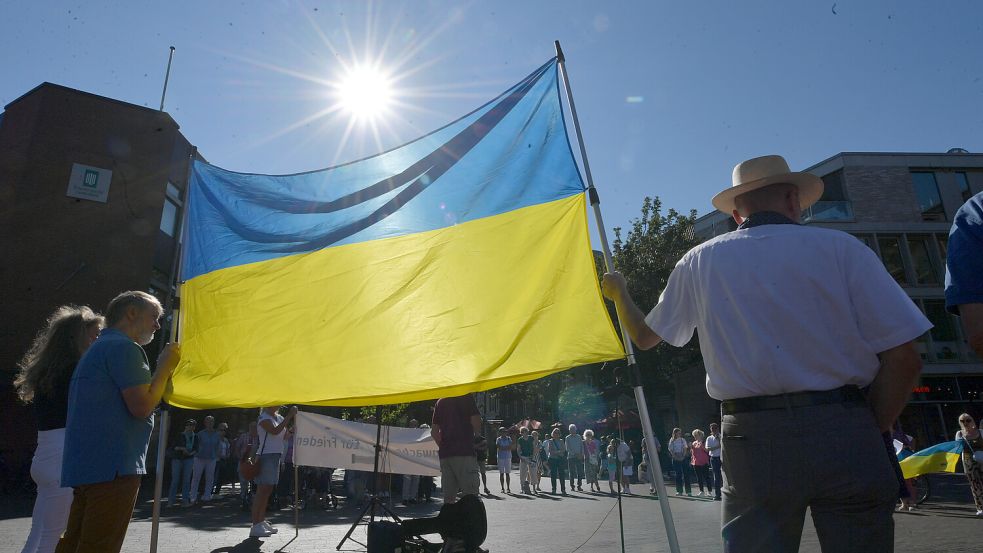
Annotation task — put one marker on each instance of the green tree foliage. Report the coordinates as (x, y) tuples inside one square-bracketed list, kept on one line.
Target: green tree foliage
[(646, 257)]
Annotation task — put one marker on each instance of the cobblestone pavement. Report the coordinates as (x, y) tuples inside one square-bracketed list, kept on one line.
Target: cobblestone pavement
[(517, 523)]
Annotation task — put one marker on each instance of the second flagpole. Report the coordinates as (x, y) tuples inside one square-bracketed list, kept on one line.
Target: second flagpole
[(655, 465)]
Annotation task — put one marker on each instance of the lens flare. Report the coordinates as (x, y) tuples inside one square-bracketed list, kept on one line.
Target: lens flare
[(365, 92)]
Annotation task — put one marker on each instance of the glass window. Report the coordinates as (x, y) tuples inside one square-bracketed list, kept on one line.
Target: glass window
[(173, 193), (830, 211), (941, 388), (945, 339), (168, 219), (963, 182), (971, 387), (943, 241), (926, 272), (929, 200), (833, 187), (891, 256)]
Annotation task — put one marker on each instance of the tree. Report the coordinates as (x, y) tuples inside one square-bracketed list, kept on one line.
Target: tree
[(646, 257)]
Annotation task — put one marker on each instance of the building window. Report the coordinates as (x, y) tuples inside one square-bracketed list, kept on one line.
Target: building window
[(927, 192), (945, 338), (891, 256), (963, 181), (173, 193), (925, 268), (168, 219), (833, 204)]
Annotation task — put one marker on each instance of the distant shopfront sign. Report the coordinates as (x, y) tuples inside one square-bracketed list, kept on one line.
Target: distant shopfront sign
[(89, 183)]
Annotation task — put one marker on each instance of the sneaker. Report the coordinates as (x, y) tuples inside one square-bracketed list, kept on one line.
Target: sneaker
[(258, 530), (269, 527), (979, 513)]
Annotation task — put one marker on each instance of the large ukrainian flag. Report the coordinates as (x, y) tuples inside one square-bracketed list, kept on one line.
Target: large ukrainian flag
[(458, 262), (938, 458)]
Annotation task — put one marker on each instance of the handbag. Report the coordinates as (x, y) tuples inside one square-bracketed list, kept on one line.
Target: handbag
[(976, 454), (249, 466)]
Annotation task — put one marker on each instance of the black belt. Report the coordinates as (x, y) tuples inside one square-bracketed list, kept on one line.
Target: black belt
[(846, 394)]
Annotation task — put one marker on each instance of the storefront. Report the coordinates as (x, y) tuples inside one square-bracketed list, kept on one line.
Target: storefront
[(932, 414)]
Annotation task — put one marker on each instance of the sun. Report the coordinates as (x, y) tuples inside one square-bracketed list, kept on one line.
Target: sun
[(365, 92)]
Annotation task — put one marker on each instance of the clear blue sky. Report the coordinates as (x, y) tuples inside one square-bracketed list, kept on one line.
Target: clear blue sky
[(710, 83)]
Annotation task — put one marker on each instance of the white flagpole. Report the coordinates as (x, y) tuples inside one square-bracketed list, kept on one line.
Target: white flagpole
[(655, 465), (165, 415)]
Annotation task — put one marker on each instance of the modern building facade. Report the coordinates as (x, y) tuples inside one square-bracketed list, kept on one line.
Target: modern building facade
[(900, 205), (91, 191)]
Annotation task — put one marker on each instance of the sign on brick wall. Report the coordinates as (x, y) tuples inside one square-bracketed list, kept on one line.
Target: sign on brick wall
[(89, 183)]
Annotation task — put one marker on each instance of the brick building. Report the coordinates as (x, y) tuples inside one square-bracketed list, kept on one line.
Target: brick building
[(90, 196), (901, 205)]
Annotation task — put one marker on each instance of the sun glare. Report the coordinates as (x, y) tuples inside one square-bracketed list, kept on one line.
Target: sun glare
[(365, 92)]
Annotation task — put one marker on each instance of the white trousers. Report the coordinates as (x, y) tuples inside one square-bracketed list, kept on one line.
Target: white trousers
[(51, 508), (206, 466)]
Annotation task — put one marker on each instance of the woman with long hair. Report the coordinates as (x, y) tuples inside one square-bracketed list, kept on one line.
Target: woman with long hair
[(972, 440), (45, 374)]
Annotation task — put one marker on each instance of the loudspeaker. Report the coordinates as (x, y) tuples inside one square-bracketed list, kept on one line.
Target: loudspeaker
[(384, 537)]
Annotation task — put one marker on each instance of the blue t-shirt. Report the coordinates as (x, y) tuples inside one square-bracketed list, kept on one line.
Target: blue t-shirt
[(964, 256), (102, 438), (208, 447)]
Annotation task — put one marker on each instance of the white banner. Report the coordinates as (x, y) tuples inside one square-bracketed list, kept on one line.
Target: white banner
[(321, 441)]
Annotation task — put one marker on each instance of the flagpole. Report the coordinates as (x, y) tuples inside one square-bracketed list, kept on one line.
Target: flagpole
[(655, 465), (177, 265)]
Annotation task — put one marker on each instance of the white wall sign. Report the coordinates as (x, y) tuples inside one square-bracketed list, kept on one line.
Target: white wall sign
[(89, 183), (321, 441)]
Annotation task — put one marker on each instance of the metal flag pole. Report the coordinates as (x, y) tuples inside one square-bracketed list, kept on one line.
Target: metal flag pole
[(166, 77), (177, 264), (655, 466)]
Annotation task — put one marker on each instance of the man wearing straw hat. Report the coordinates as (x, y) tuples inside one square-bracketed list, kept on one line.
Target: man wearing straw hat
[(807, 342)]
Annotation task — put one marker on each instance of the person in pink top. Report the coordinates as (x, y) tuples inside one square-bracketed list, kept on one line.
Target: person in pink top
[(701, 462)]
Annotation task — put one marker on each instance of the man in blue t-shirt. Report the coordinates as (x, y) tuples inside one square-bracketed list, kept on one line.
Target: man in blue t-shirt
[(964, 270), (110, 416)]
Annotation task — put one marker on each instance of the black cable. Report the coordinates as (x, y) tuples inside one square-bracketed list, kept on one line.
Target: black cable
[(596, 530)]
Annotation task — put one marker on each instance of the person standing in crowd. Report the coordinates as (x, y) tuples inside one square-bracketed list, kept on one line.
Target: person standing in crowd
[(700, 458), (575, 457), (539, 459), (246, 444), (612, 461), (627, 463), (271, 428), (713, 448), (223, 468), (205, 460), (592, 458), (455, 425), (42, 382), (426, 482), (183, 451), (972, 457), (679, 451), (481, 457), (796, 320), (527, 465), (111, 402), (556, 453), (503, 444)]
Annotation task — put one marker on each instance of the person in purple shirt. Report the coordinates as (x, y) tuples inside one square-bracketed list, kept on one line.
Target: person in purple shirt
[(111, 401), (455, 423)]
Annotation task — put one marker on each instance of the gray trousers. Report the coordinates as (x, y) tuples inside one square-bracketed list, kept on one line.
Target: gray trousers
[(828, 458)]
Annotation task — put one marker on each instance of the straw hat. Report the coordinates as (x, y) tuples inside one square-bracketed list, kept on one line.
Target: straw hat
[(764, 171)]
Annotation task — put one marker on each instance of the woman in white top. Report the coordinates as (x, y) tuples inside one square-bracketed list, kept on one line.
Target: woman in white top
[(972, 451), (270, 428)]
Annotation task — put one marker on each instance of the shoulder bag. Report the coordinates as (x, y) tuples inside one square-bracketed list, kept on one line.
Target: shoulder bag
[(250, 464)]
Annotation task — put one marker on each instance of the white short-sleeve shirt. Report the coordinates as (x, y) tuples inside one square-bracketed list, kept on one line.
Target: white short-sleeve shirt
[(785, 308)]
